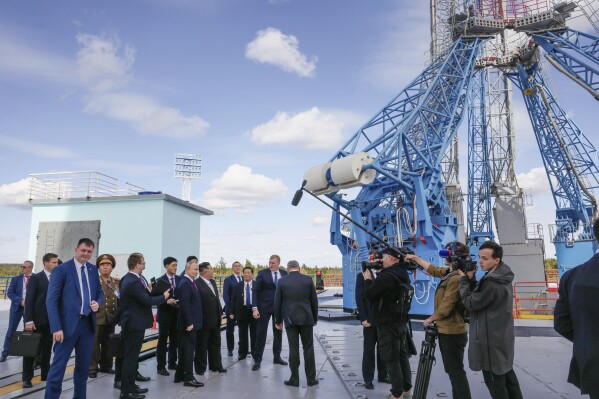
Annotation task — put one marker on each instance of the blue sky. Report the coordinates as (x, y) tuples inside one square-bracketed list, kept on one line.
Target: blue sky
[(262, 89)]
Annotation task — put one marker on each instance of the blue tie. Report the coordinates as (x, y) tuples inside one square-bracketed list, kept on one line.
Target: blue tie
[(248, 296), (276, 279), (85, 291)]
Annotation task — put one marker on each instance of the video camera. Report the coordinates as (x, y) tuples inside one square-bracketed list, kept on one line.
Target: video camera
[(376, 261), (461, 261)]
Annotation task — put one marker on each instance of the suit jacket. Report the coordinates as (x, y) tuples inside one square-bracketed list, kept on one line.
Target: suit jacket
[(190, 306), (167, 313), (35, 303), (264, 290), (137, 304), (238, 301), (15, 292), (229, 292), (211, 307), (107, 312), (296, 302), (362, 303), (576, 318), (64, 298)]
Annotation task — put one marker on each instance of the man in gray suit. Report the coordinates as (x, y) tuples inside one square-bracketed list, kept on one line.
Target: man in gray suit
[(296, 305)]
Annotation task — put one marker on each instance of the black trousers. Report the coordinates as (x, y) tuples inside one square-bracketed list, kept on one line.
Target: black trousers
[(100, 358), (368, 356), (208, 346), (504, 386), (187, 345), (45, 352), (248, 324), (261, 337), (294, 333), (131, 342), (394, 352), (452, 351), (167, 337), (230, 334)]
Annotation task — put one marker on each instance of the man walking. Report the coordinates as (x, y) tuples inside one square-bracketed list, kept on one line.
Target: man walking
[(242, 309), (228, 293), (167, 320)]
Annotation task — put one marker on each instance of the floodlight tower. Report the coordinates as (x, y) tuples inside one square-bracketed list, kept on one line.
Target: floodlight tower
[(187, 167)]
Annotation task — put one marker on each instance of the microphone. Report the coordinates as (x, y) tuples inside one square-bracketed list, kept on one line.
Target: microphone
[(298, 194)]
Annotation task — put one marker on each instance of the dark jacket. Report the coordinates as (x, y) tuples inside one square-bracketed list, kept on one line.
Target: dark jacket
[(229, 292), (190, 305), (15, 292), (576, 318), (35, 303), (238, 302), (296, 302), (136, 304), (386, 291), (490, 302), (167, 313), (211, 307), (364, 305), (264, 291)]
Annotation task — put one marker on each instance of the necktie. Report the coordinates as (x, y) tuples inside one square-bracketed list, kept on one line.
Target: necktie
[(238, 279), (85, 291), (143, 281), (27, 280), (196, 285), (276, 279), (248, 295), (173, 283)]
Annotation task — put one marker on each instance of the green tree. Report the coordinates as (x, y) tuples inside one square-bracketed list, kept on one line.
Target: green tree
[(550, 263)]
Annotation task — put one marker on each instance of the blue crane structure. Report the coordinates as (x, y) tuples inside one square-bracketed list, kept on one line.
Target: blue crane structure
[(390, 170)]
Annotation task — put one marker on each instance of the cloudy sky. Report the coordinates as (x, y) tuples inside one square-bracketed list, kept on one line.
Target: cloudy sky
[(262, 89)]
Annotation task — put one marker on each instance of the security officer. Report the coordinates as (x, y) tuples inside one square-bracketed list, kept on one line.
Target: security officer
[(105, 317)]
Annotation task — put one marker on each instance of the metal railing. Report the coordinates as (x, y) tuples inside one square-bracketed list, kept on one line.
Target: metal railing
[(535, 299)]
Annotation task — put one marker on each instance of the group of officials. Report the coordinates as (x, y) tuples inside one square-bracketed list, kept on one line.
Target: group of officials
[(76, 305)]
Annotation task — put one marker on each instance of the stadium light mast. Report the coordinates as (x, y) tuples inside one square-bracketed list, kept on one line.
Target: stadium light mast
[(188, 167)]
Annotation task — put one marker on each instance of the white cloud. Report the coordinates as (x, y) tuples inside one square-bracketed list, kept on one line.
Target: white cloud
[(15, 194), (321, 220), (312, 129), (271, 46), (535, 180), (34, 148), (238, 188)]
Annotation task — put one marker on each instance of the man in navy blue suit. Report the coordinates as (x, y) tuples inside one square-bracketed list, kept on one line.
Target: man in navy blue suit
[(136, 317), (17, 291), (228, 294), (242, 311), (189, 322), (74, 295), (167, 320), (264, 299)]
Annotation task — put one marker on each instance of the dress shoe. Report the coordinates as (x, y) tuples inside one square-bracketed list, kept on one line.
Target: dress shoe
[(27, 384), (386, 380), (177, 380), (241, 357), (280, 361), (140, 390), (93, 374), (220, 370), (256, 366), (141, 378), (117, 385), (44, 377), (199, 372), (312, 383), (2, 358), (162, 371), (230, 353), (368, 385), (172, 366), (290, 383), (107, 371), (193, 383), (132, 396)]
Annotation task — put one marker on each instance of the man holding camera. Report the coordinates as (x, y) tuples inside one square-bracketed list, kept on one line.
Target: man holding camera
[(390, 295), (448, 317)]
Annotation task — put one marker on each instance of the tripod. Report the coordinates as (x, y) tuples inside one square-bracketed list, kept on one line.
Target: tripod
[(427, 359)]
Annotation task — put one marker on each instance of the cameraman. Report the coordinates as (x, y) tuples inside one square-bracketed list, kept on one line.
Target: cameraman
[(450, 324), (390, 298)]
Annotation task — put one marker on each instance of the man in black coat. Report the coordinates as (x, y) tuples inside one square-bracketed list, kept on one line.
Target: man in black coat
[(208, 341), (189, 322), (576, 318), (296, 305), (228, 294), (241, 310), (264, 300), (36, 318), (136, 317), (167, 320)]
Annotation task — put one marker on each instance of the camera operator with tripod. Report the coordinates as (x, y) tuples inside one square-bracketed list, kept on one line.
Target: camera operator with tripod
[(391, 296), (449, 312)]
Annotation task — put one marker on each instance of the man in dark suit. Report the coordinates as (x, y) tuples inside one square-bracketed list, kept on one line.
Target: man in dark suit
[(36, 318), (576, 318), (167, 320), (228, 293), (74, 296), (296, 305), (17, 291), (264, 299), (242, 312), (208, 343), (136, 317), (189, 322), (370, 334)]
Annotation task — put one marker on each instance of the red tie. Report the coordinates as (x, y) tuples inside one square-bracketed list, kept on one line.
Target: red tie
[(27, 280)]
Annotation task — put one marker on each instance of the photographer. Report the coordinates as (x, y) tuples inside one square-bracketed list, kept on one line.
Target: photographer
[(390, 296), (447, 316)]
